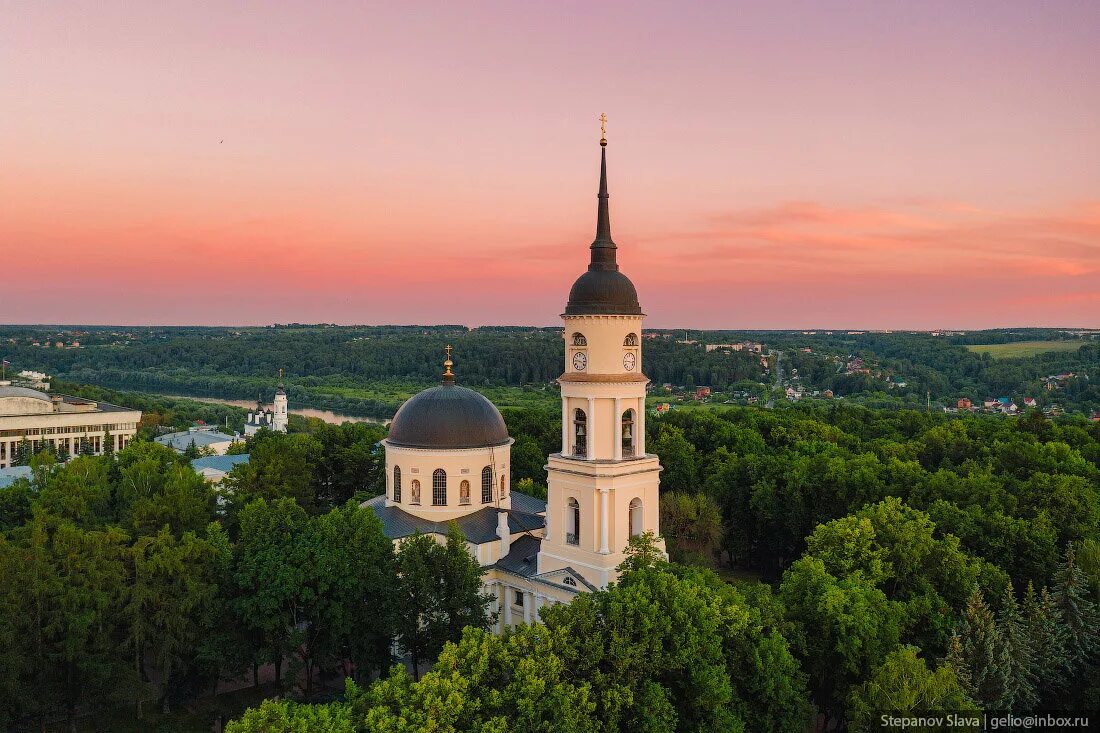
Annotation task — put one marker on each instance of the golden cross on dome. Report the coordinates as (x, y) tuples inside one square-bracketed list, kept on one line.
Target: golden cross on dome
[(603, 127), (448, 363)]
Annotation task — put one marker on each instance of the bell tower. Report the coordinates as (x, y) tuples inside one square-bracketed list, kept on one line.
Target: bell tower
[(279, 415), (602, 487)]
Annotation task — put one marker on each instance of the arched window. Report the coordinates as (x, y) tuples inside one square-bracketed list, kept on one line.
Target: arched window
[(580, 433), (570, 582), (464, 492), (486, 485), (573, 522), (628, 434), (397, 484), (439, 487), (635, 517), (579, 340), (503, 488), (631, 339), (415, 491)]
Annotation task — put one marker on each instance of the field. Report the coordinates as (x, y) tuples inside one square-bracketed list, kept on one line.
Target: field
[(1024, 349)]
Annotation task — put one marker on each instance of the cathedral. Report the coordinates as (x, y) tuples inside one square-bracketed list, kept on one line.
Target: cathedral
[(448, 456), (274, 419)]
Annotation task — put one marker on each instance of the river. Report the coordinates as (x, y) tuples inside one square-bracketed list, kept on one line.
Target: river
[(327, 415)]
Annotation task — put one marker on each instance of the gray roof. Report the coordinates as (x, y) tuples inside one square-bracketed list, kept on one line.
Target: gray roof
[(9, 391), (448, 416), (522, 560), (9, 475), (528, 504), (478, 527), (522, 557), (201, 438), (219, 463)]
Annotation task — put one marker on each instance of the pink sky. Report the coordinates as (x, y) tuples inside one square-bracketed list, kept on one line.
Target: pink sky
[(775, 165)]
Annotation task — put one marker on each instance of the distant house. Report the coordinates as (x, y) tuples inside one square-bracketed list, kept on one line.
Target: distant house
[(702, 393), (663, 407), (200, 436), (1096, 416), (215, 468), (964, 404), (1004, 400), (827, 393), (1030, 402), (990, 403), (9, 475)]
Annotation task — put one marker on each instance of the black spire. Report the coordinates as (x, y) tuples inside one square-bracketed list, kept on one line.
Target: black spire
[(603, 290), (603, 247)]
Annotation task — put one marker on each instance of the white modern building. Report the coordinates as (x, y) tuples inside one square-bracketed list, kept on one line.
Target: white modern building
[(67, 424)]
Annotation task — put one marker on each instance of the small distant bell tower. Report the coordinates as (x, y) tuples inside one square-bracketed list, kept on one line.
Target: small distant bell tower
[(279, 416)]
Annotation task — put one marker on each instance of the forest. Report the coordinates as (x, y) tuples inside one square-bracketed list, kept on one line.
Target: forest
[(369, 371), (826, 561)]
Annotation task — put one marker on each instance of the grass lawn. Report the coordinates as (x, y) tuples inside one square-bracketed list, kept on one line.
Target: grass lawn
[(1023, 349)]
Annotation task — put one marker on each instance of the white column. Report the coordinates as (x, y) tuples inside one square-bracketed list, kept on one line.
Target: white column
[(507, 606), (616, 428), (639, 440), (538, 604), (591, 434), (528, 606), (603, 521), (496, 609), (565, 420)]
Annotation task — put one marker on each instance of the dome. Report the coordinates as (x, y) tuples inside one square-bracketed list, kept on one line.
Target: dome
[(603, 292), (34, 394), (23, 401), (448, 416)]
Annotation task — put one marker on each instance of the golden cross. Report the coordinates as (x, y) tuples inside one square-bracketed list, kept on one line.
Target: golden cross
[(448, 349), (603, 125)]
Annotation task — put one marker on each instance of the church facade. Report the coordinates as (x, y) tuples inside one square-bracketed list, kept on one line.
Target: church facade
[(448, 456)]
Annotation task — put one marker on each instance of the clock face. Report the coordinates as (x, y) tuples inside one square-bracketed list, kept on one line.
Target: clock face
[(629, 361), (580, 361)]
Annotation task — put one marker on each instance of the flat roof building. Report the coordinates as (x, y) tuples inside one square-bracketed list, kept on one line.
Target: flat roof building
[(68, 425), (200, 436)]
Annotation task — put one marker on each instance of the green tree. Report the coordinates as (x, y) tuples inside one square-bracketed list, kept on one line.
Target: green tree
[(347, 594), (1079, 616), (269, 577), (281, 716), (692, 525), (108, 442), (642, 551), (175, 581), (1025, 667), (677, 457), (1047, 639), (439, 594), (904, 685), (840, 628), (984, 657), (483, 683), (65, 589)]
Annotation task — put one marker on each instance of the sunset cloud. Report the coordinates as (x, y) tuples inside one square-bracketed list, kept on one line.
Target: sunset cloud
[(253, 164)]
